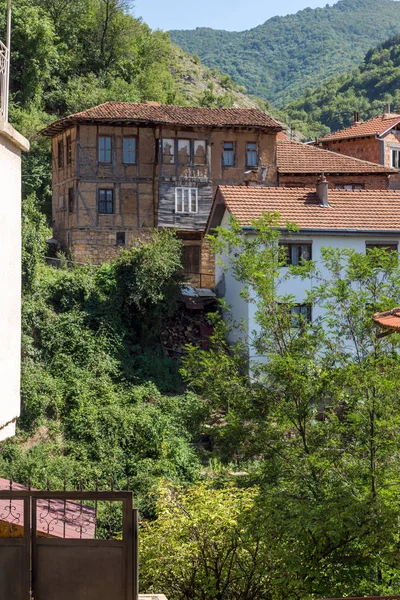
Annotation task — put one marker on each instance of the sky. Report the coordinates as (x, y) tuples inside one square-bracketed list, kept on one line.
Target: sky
[(232, 15)]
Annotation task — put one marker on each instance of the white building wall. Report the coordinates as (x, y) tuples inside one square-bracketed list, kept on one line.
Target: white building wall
[(296, 287), (11, 144)]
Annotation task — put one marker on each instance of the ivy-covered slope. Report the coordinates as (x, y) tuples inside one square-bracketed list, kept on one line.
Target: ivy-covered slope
[(366, 89), (281, 58)]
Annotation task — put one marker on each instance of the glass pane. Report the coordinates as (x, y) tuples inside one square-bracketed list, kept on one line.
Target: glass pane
[(129, 150), (193, 202), (305, 252), (200, 157), (178, 195), (105, 149), (185, 200), (251, 154), (183, 152), (168, 151), (295, 252)]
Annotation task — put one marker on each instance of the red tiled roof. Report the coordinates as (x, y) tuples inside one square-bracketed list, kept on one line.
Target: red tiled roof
[(360, 210), (389, 319), (375, 126), (281, 135), (295, 157), (51, 515), (163, 114)]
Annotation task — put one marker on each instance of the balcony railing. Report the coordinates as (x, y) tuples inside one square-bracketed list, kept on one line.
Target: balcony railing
[(4, 63)]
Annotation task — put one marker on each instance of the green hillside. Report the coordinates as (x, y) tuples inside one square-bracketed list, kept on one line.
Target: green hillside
[(366, 89), (281, 58)]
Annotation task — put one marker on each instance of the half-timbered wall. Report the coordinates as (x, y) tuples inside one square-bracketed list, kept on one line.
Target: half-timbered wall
[(144, 193)]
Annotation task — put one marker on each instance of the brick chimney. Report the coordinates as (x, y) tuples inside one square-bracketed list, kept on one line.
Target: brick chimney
[(356, 118), (322, 191), (387, 110)]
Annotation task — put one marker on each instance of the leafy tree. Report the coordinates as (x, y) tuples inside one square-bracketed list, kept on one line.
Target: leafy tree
[(317, 424), (211, 546)]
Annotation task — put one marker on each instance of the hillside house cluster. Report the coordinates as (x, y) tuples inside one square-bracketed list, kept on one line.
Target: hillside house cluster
[(122, 169)]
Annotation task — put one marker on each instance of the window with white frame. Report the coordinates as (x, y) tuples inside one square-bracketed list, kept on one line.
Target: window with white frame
[(183, 152), (186, 200), (396, 158), (349, 186)]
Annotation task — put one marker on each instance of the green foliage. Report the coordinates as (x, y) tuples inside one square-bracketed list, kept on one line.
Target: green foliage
[(211, 545), (317, 425), (366, 89), (34, 240), (286, 55)]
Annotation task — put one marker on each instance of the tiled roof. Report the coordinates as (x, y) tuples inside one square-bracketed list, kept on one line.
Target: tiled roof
[(54, 519), (281, 135), (154, 113), (389, 319), (295, 157), (375, 210), (375, 126)]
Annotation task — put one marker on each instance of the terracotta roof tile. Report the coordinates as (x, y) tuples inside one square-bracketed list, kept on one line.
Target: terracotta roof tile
[(295, 157), (152, 112), (389, 319), (360, 210), (375, 126)]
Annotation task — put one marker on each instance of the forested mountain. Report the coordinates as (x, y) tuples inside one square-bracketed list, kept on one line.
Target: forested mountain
[(281, 58), (366, 89)]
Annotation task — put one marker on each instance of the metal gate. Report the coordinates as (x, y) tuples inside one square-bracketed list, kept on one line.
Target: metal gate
[(64, 545)]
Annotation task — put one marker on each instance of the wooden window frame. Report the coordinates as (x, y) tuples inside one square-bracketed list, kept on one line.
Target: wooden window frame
[(69, 150), (290, 245), (60, 154), (120, 244), (100, 150), (174, 148), (193, 271), (71, 200), (190, 189), (254, 152), (126, 138), (106, 201), (307, 316), (224, 163)]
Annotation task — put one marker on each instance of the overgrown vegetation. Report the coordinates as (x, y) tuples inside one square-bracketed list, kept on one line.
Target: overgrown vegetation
[(286, 55)]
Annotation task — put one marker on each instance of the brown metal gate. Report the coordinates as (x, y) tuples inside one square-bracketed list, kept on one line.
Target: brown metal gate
[(51, 546)]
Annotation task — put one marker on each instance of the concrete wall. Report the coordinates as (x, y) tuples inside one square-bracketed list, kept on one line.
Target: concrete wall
[(11, 144)]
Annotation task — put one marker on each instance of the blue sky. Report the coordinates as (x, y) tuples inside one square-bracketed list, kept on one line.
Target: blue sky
[(233, 15)]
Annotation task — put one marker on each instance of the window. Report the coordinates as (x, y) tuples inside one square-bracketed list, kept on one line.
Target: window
[(297, 253), (300, 312), (229, 154), (60, 155), (168, 151), (191, 259), (129, 150), (186, 200), (104, 149), (71, 200), (396, 159), (106, 202), (390, 247), (183, 152), (251, 154), (350, 186), (69, 151), (120, 238), (199, 152), (61, 202)]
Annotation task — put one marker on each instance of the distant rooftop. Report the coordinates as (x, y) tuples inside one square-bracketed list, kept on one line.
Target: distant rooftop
[(164, 114), (295, 157), (376, 126)]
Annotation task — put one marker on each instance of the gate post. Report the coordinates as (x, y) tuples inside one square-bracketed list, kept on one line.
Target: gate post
[(135, 553)]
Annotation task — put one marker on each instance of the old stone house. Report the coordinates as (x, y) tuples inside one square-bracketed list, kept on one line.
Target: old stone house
[(376, 140), (121, 169), (299, 165)]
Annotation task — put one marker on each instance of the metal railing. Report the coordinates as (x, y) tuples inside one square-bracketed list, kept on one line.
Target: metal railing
[(4, 69)]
